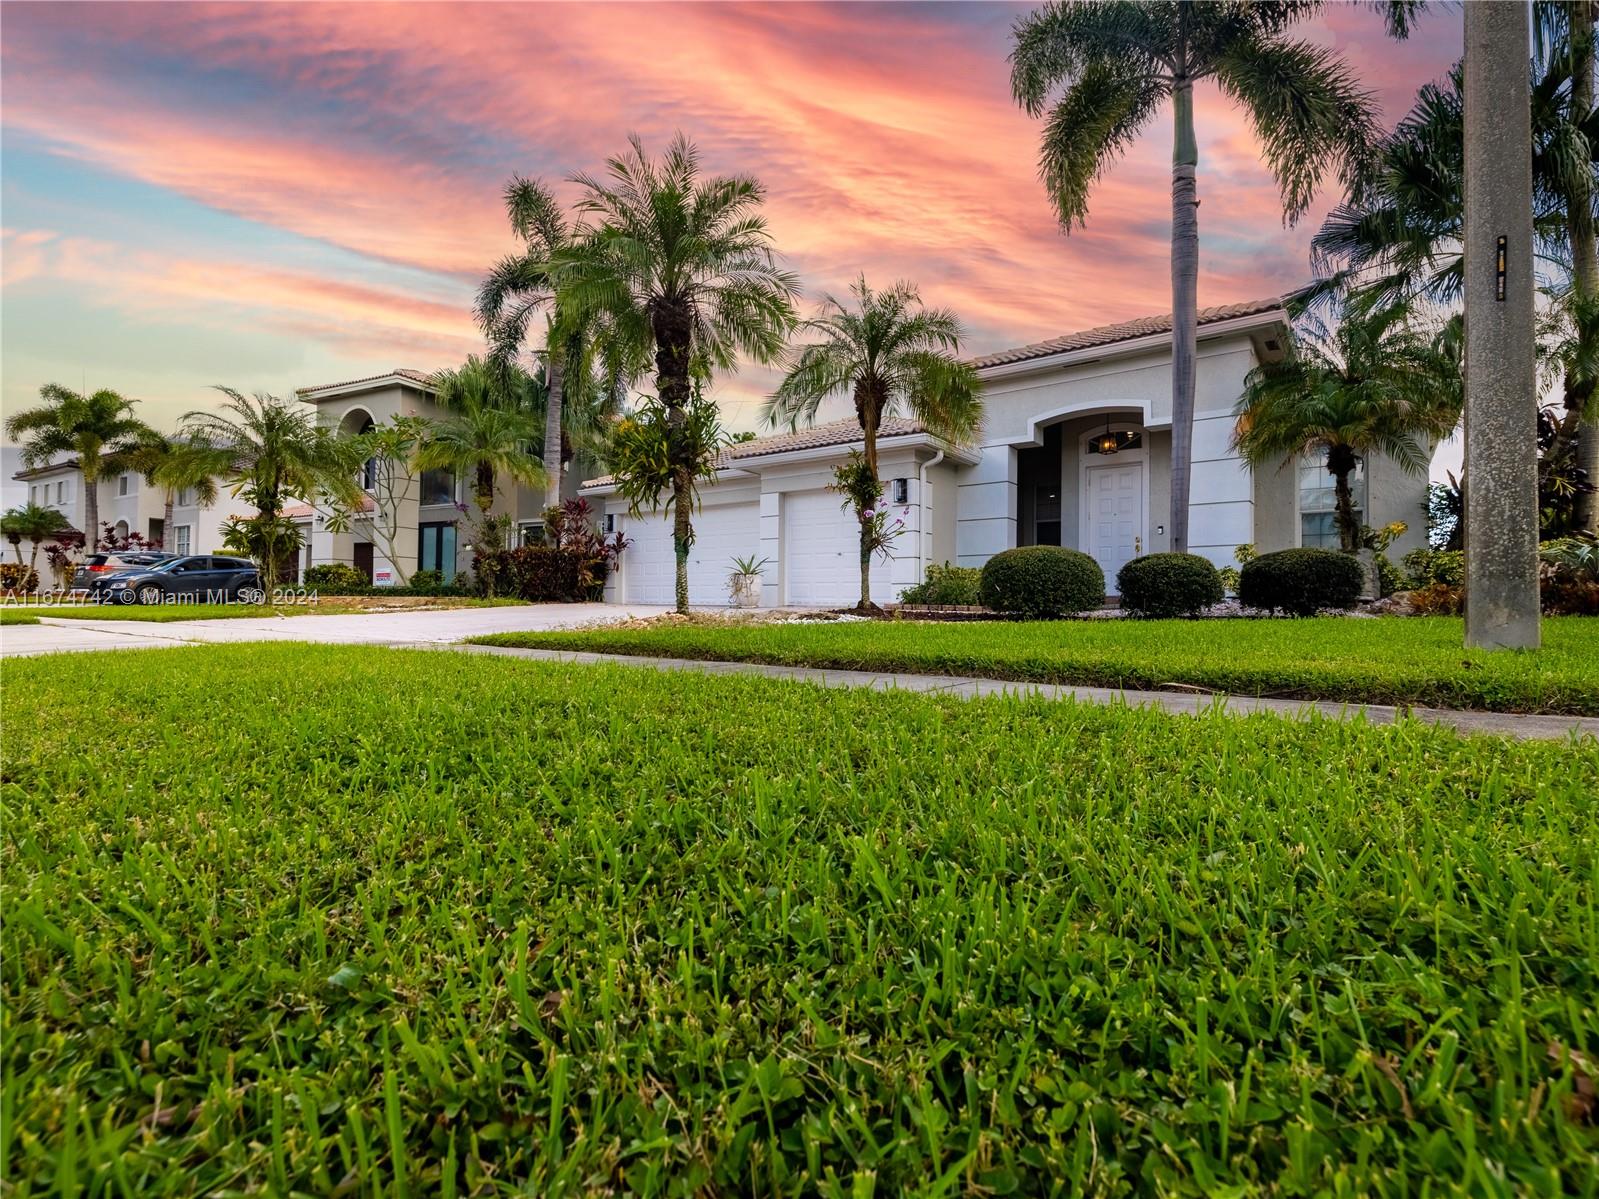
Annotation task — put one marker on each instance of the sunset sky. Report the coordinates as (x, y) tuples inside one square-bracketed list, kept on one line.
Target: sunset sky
[(272, 196)]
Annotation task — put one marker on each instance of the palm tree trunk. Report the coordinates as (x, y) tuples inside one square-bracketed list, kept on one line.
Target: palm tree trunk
[(1584, 255), (552, 433), (167, 518), (1184, 305), (871, 413), (1344, 506), (673, 326), (682, 533), (91, 514)]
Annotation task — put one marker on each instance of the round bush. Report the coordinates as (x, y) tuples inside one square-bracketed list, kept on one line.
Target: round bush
[(1168, 585), (1041, 580), (1301, 581)]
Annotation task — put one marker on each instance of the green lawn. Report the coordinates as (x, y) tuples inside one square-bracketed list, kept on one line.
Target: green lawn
[(165, 613), (1393, 660), (405, 922), (17, 616)]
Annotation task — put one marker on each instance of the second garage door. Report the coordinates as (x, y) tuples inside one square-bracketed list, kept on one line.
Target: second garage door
[(821, 550), (721, 533)]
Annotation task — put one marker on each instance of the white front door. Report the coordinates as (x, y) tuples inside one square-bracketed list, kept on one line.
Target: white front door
[(1115, 516)]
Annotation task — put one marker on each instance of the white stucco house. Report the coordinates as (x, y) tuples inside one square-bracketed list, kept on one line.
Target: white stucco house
[(129, 505), (1075, 451)]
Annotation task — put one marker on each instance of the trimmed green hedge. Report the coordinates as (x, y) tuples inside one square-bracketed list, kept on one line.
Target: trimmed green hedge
[(1301, 582), (1169, 585), (946, 584), (1042, 581)]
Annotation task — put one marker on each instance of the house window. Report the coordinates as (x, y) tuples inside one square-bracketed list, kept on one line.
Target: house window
[(33, 493), (369, 473), (180, 540), (61, 491), (438, 487), (437, 549), (530, 533), (122, 484), (1318, 509), (184, 497)]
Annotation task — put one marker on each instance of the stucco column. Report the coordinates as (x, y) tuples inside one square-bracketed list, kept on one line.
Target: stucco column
[(1501, 389)]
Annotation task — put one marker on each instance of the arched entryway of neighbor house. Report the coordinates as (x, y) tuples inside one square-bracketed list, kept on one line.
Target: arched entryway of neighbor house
[(353, 423), (1086, 483)]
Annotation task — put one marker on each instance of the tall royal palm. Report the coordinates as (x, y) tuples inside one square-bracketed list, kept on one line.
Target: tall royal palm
[(269, 451), (890, 354), (522, 287), (1099, 71), (99, 429), (1372, 384), (681, 268)]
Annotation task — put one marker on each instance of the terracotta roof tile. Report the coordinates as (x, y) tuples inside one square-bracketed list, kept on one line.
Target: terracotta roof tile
[(838, 432), (1105, 335), (403, 372)]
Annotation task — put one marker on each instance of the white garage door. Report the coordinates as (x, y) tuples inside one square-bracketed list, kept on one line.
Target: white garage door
[(721, 533), (822, 553)]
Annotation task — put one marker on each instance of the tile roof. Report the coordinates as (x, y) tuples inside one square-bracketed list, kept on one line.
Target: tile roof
[(1105, 335), (403, 372), (837, 432)]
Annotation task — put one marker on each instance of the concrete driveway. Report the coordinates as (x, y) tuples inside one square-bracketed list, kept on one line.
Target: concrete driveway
[(64, 634)]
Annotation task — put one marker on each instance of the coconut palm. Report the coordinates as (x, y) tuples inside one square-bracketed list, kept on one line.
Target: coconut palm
[(174, 465), (522, 287), (269, 451), (679, 268), (1114, 63), (1372, 384), (98, 429), (30, 522), (891, 354)]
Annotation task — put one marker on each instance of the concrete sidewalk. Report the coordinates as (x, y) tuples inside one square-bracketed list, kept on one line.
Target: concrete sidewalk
[(1504, 724), (57, 634)]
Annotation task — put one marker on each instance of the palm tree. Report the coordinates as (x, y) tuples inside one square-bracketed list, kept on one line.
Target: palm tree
[(890, 353), (30, 522), (680, 268), (271, 451), (518, 289), (1114, 62), (174, 465), (1371, 385), (1397, 237), (487, 434), (100, 430)]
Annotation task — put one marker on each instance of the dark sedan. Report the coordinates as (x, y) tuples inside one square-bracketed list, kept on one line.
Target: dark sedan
[(202, 578)]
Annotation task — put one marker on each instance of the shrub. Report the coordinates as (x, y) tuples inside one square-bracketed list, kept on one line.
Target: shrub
[(1568, 576), (1426, 567), (946, 584), (335, 574), (1301, 582), (17, 576), (1438, 599), (1169, 585), (427, 580), (1042, 581), (544, 573)]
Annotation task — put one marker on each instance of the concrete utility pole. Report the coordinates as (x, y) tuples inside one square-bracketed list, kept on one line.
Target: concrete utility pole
[(1501, 387)]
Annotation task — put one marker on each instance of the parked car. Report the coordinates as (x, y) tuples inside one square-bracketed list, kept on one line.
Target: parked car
[(194, 577), (96, 565)]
